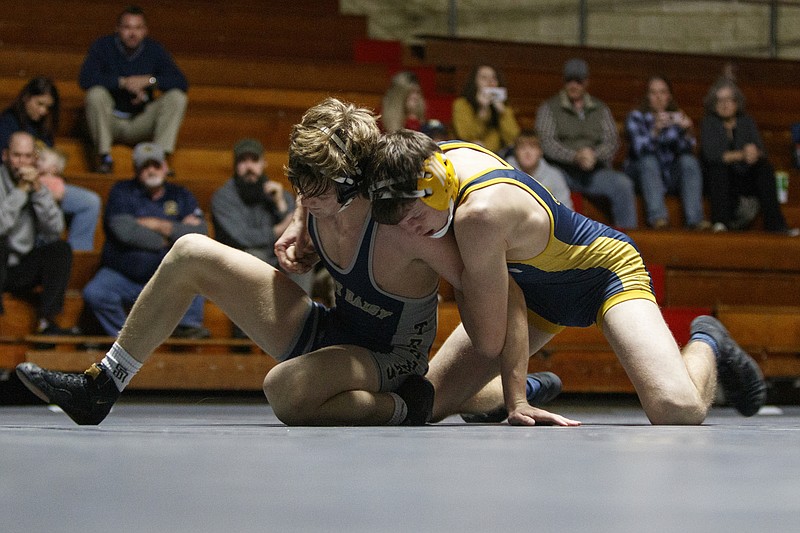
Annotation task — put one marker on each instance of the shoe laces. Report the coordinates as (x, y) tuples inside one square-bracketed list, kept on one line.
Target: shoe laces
[(67, 379)]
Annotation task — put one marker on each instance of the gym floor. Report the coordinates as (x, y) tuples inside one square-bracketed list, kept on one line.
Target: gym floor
[(228, 465)]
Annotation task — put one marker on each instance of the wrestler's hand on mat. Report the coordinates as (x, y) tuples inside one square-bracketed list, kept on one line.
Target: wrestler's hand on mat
[(527, 415)]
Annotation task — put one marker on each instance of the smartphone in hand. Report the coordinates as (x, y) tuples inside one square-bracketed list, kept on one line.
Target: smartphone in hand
[(496, 94)]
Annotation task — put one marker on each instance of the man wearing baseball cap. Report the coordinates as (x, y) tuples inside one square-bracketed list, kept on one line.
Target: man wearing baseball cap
[(144, 216), (579, 136), (250, 211)]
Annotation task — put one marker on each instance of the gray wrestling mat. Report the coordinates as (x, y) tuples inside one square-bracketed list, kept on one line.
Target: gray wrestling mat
[(203, 466)]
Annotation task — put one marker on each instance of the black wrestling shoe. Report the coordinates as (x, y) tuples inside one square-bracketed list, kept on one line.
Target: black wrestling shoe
[(549, 388), (418, 393), (737, 373), (86, 398)]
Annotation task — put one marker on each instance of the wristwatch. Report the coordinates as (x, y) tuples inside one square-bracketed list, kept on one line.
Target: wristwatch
[(153, 80)]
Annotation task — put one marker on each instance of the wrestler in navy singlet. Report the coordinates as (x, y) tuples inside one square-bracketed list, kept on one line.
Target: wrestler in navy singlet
[(586, 267), (399, 331)]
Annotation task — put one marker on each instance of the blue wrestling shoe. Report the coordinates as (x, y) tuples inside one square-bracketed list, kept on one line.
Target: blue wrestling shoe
[(543, 387), (86, 398), (418, 393), (737, 373)]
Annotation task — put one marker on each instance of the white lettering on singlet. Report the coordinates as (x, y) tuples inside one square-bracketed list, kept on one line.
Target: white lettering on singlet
[(356, 300)]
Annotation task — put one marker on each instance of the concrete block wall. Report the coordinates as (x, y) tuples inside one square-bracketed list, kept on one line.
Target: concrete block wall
[(706, 27)]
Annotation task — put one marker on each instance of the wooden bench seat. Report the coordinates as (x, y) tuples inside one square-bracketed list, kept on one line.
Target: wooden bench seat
[(763, 328), (705, 269), (771, 334), (190, 163), (603, 62), (190, 31), (216, 116), (334, 76)]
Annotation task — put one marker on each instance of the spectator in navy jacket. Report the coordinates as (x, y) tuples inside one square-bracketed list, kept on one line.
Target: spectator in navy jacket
[(122, 74), (144, 216)]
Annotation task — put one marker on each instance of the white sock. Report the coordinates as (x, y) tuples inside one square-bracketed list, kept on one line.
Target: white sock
[(400, 410), (121, 365)]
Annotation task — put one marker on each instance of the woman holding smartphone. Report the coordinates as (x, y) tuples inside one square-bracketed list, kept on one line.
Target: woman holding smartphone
[(661, 157), (481, 114)]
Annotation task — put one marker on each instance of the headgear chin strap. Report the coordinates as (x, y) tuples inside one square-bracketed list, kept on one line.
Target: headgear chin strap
[(346, 186), (442, 232)]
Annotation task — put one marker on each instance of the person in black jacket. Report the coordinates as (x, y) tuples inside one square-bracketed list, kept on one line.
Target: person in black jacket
[(735, 163), (121, 75)]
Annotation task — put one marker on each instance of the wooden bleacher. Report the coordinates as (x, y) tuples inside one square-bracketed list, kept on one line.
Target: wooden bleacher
[(253, 72)]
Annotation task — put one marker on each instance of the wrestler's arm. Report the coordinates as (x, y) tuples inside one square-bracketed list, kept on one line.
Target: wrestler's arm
[(482, 245), (514, 357), (491, 304), (514, 368)]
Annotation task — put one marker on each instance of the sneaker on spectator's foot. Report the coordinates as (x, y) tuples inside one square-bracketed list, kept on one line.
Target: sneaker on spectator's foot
[(788, 232), (703, 225), (661, 223), (737, 373), (49, 329), (52, 329), (190, 332), (86, 398), (418, 393), (549, 388), (105, 165)]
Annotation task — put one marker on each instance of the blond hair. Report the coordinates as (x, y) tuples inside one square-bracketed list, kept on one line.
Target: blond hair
[(393, 106), (315, 157), (50, 160)]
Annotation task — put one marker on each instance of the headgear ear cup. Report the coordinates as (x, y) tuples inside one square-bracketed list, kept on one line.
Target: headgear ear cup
[(346, 187), (438, 180)]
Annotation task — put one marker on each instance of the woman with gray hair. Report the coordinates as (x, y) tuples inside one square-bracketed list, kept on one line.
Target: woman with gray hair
[(735, 162)]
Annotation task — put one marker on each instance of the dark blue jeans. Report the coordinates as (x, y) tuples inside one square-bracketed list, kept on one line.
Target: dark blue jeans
[(109, 295)]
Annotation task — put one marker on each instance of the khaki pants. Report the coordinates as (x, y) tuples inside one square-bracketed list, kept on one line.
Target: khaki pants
[(159, 122)]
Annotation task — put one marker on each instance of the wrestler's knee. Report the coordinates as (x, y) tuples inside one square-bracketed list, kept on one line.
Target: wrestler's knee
[(675, 408), (285, 393), (188, 252), (188, 246)]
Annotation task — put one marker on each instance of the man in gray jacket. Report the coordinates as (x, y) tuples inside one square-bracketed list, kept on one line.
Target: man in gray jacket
[(32, 253), (250, 211), (579, 135)]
